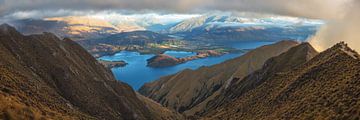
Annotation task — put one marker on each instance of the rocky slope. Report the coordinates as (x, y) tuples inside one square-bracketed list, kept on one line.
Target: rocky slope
[(190, 90), (326, 87), (43, 77)]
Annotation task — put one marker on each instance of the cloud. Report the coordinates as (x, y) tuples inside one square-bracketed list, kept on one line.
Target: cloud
[(309, 8), (345, 29), (9, 6)]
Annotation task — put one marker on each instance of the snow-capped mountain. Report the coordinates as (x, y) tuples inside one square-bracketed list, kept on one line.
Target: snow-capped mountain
[(149, 21), (100, 24), (186, 25), (208, 22)]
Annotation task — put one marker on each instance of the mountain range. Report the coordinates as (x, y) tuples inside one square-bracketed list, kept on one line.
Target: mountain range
[(75, 27), (208, 22), (84, 27)]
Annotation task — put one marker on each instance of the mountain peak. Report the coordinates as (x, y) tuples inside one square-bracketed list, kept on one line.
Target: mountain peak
[(6, 28), (5, 25), (345, 48)]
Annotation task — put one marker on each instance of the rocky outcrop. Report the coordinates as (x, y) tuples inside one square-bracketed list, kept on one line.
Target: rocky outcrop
[(189, 91), (43, 77), (325, 87), (163, 60)]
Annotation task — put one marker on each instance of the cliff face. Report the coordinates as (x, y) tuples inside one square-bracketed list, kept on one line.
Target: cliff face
[(45, 77), (325, 87), (189, 91)]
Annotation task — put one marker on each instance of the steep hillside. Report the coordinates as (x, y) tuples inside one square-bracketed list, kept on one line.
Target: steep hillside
[(45, 77), (296, 56), (326, 87), (189, 88)]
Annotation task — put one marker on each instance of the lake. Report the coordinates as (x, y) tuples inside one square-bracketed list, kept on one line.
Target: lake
[(136, 73)]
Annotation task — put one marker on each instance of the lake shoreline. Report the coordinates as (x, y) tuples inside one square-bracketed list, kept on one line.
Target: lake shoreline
[(136, 72)]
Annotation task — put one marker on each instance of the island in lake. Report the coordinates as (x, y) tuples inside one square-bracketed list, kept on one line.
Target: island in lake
[(113, 64), (163, 60)]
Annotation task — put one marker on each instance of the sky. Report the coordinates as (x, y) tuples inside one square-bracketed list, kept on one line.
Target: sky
[(341, 15), (308, 8)]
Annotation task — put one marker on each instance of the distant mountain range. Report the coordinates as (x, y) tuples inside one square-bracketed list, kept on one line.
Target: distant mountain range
[(216, 21), (73, 27), (206, 26)]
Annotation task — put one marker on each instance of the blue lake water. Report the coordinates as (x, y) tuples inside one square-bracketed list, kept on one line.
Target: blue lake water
[(136, 73)]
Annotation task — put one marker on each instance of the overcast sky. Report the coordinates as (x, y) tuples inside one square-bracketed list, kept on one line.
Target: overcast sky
[(307, 8)]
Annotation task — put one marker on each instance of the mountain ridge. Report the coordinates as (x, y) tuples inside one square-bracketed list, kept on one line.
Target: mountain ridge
[(325, 87), (286, 61)]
